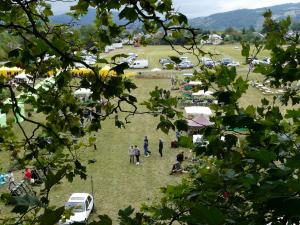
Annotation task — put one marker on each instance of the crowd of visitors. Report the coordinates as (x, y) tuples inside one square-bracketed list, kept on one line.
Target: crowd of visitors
[(134, 154), (134, 151)]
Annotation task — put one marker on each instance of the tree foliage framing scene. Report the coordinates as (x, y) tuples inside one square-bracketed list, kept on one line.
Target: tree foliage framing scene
[(145, 118)]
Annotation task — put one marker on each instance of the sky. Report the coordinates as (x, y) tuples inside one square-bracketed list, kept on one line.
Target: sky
[(197, 8)]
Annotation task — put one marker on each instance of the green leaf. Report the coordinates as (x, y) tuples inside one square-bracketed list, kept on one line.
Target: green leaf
[(181, 125), (264, 157), (175, 59), (245, 49), (205, 215), (14, 53), (53, 179), (51, 217), (128, 13), (103, 220)]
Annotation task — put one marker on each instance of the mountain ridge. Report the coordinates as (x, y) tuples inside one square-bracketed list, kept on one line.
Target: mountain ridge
[(241, 18)]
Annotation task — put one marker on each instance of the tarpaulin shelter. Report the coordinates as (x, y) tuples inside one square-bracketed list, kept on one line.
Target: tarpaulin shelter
[(197, 123)]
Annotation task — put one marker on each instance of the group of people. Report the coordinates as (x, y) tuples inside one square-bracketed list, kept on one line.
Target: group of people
[(32, 176), (134, 152)]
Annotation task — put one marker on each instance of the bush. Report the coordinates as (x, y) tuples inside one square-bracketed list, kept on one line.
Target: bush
[(185, 142)]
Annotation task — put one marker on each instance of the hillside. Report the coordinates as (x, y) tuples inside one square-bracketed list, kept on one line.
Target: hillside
[(220, 21), (246, 17), (88, 19)]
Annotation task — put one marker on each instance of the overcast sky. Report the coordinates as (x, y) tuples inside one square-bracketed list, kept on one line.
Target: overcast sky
[(196, 8)]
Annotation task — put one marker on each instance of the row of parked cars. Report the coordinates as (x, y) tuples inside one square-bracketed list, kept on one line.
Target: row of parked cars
[(133, 62), (170, 64), (225, 62)]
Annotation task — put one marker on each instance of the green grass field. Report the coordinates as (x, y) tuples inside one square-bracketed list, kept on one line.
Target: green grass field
[(117, 183)]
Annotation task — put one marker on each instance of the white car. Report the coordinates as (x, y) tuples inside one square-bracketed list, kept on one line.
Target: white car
[(233, 64), (81, 205)]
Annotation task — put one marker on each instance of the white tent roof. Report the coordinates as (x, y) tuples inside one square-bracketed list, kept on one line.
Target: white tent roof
[(23, 76), (198, 110), (201, 92), (83, 91), (195, 82)]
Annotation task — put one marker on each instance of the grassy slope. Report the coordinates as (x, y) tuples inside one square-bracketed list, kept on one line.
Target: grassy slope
[(116, 183)]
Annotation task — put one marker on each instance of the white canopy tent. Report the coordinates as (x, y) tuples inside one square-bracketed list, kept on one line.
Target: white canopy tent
[(23, 76), (198, 110), (83, 93)]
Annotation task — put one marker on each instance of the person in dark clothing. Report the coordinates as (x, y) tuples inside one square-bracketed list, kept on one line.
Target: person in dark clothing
[(137, 154), (94, 143), (146, 147), (160, 147), (180, 157)]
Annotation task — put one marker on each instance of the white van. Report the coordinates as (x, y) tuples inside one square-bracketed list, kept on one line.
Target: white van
[(139, 64)]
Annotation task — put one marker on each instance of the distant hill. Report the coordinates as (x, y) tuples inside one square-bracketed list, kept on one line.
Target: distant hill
[(220, 21), (245, 17), (88, 19)]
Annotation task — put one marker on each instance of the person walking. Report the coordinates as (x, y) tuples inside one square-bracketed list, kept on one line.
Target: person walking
[(160, 147), (147, 152), (137, 154), (131, 154)]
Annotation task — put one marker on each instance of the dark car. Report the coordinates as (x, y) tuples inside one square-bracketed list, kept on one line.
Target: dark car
[(226, 61)]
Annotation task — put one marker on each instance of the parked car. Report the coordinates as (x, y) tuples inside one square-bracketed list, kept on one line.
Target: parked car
[(226, 61), (209, 63), (163, 61), (264, 61), (185, 65), (139, 64), (184, 58), (132, 55), (233, 64), (81, 205)]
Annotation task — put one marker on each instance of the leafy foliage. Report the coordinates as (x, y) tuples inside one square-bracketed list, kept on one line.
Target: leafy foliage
[(255, 182)]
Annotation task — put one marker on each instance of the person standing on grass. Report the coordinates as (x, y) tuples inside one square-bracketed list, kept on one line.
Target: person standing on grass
[(94, 144), (160, 147), (137, 154), (131, 153), (146, 147)]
